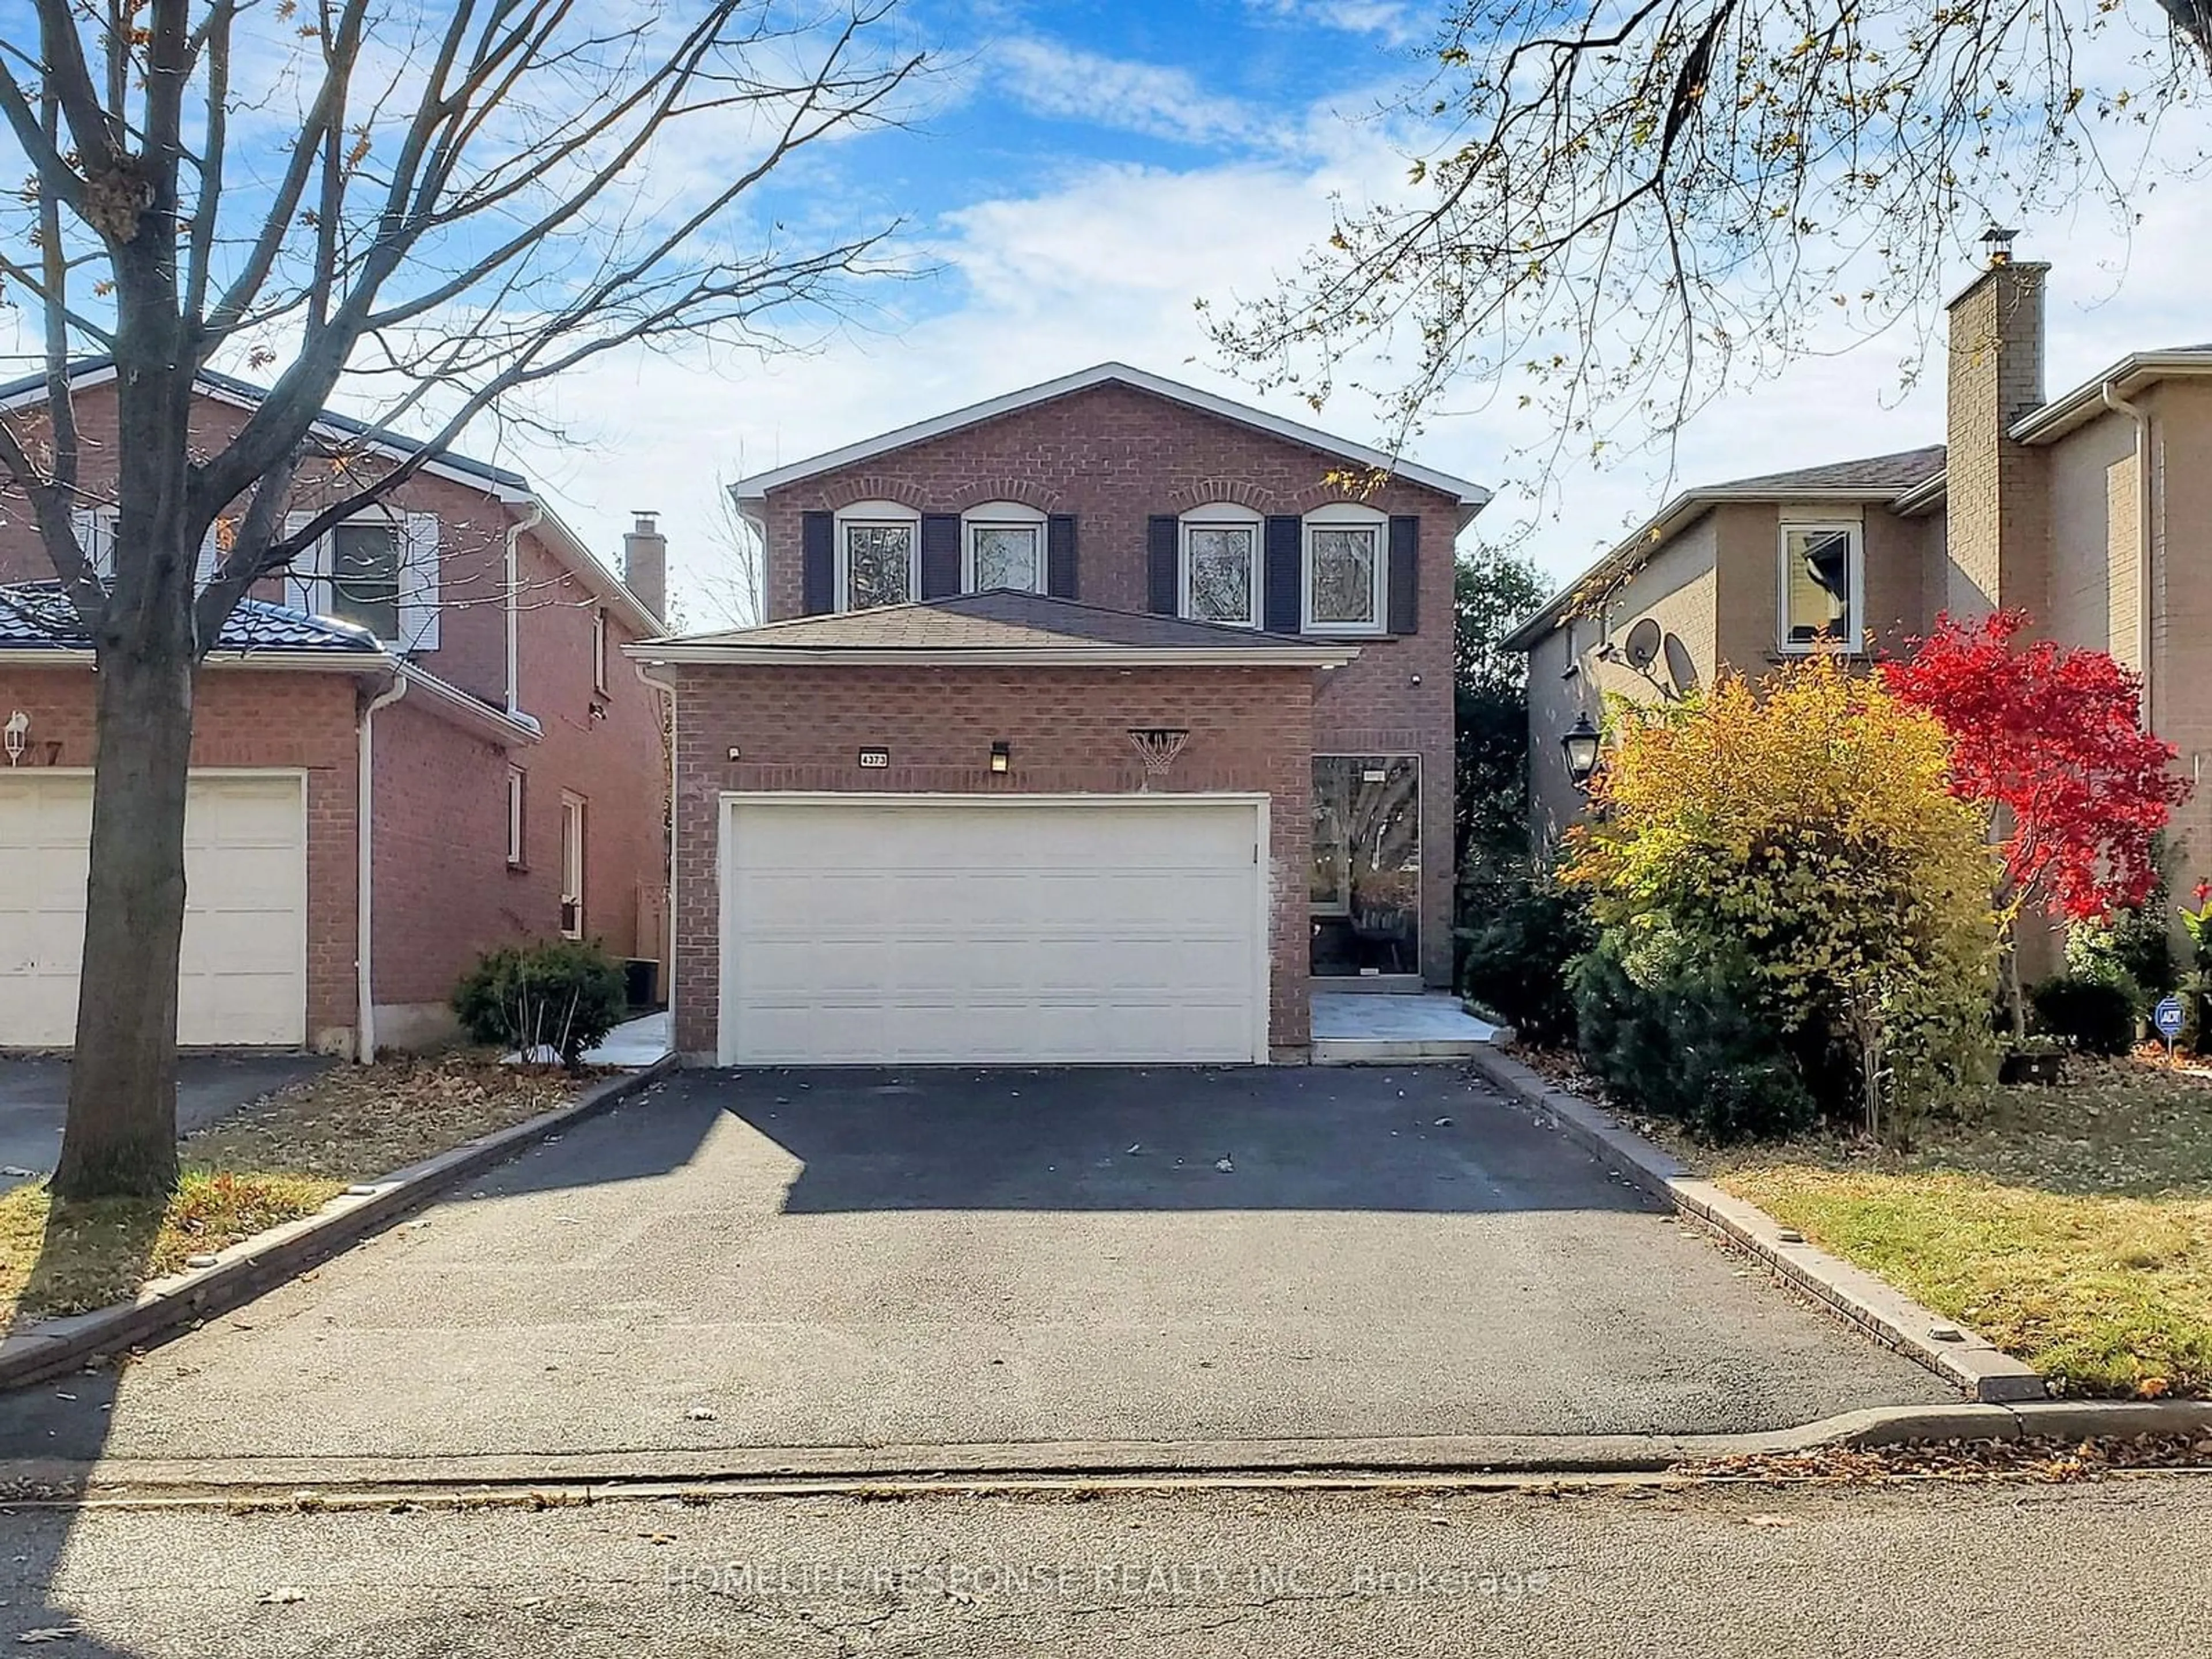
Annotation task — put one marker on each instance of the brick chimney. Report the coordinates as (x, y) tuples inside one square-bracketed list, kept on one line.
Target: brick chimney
[(1996, 519), (645, 564)]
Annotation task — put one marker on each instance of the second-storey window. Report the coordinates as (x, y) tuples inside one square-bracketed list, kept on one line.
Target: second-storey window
[(379, 572), (1221, 569), (1003, 546), (1346, 565), (1822, 586), (878, 557), (365, 565)]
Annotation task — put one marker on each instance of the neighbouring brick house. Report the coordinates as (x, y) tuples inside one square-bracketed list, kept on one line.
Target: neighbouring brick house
[(422, 743), (1093, 722), (2033, 504)]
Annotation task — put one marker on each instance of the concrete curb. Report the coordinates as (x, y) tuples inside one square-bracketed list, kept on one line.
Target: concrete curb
[(1382, 1460), (165, 1306), (1969, 1362)]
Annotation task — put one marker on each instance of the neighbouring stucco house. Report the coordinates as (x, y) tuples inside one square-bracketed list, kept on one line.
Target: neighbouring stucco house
[(422, 743), (2032, 503), (1094, 722)]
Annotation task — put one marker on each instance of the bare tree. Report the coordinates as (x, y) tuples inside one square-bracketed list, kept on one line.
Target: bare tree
[(430, 204), (1628, 205), (730, 586)]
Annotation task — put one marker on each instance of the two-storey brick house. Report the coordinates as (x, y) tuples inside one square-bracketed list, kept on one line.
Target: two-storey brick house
[(422, 743), (1092, 722)]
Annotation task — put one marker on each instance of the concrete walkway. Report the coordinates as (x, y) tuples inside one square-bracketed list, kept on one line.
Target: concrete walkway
[(634, 1045), (1357, 1028)]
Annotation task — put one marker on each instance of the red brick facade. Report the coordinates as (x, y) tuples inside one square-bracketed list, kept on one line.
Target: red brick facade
[(444, 890), (1114, 455), (801, 729), (250, 718)]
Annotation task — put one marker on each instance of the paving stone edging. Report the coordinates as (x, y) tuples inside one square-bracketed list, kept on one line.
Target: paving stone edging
[(1970, 1361), (246, 1270)]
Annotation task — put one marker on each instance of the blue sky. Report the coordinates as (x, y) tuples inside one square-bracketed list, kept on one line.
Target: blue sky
[(1075, 176), (1082, 172)]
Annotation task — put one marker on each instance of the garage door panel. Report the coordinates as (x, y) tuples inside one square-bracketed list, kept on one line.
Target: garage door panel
[(862, 932), (242, 974)]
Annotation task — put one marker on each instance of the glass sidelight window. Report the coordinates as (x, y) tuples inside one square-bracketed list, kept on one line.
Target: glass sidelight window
[(1365, 891)]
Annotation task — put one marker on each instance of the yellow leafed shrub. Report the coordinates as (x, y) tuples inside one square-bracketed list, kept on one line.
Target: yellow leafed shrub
[(1804, 831)]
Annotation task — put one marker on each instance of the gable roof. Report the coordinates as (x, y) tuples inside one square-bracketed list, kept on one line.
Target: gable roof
[(509, 487), (96, 371), (1472, 496), (1885, 479), (998, 627), (39, 616)]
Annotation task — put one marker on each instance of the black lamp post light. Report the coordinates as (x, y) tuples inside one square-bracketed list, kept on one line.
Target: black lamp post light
[(1582, 744)]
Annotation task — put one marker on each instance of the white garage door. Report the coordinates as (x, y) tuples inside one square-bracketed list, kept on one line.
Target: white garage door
[(243, 978), (918, 929)]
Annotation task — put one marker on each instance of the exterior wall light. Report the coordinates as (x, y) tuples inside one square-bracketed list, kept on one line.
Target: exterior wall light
[(1002, 756), (16, 735), (1582, 744)]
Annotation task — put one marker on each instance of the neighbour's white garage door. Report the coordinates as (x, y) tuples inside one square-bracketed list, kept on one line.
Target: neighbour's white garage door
[(244, 976), (999, 931)]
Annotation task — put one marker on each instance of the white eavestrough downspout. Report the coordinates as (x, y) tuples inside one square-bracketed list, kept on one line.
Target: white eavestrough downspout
[(529, 521), (364, 903), (2141, 416)]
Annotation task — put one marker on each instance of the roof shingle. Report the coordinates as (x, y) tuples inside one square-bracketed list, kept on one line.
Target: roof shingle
[(38, 616), (998, 619), (1876, 474)]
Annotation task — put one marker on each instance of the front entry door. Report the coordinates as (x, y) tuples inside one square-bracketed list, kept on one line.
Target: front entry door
[(1366, 889)]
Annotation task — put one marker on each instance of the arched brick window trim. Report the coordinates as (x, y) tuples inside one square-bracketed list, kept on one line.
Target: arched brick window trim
[(1214, 492)]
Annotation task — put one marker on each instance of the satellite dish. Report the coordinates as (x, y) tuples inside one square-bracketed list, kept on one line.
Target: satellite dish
[(1643, 643), (1681, 666)]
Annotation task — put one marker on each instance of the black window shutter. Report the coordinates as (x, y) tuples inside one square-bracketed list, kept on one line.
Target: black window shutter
[(940, 554), (1282, 579), (1405, 573), (1163, 557), (818, 563), (1060, 578)]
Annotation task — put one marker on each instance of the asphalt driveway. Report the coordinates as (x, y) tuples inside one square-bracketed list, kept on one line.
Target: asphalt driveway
[(34, 1092), (864, 1258)]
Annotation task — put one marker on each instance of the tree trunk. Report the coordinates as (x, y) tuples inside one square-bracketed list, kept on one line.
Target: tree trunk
[(121, 1136)]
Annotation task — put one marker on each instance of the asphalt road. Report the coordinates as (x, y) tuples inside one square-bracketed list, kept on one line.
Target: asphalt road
[(843, 1259), (1768, 1574)]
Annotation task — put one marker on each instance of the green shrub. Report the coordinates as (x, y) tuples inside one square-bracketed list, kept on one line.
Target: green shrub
[(564, 994), (1689, 1043), (2132, 948), (1516, 951), (2097, 1017)]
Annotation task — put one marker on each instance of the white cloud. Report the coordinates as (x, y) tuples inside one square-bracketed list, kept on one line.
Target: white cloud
[(1105, 262), (1155, 100), (1395, 23)]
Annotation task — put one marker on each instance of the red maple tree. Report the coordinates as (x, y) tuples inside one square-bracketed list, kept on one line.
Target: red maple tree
[(2053, 740)]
